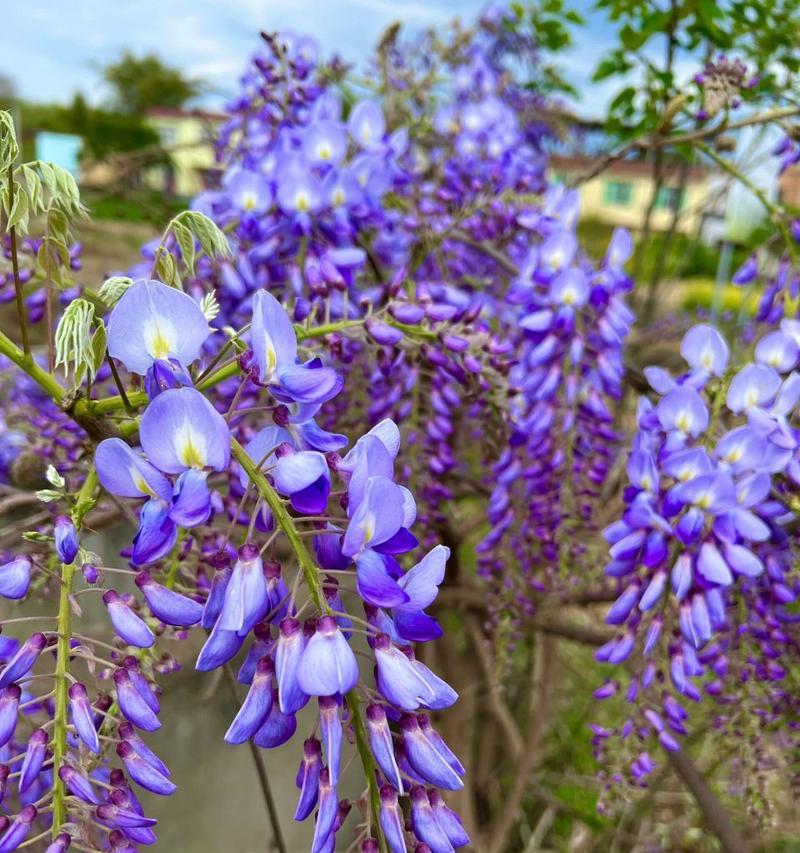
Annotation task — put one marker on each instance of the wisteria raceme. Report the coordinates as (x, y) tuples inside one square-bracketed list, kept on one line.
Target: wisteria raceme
[(703, 551), (379, 360)]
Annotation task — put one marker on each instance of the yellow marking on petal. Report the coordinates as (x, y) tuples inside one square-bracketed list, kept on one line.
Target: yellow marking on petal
[(369, 528), (683, 422), (569, 297), (751, 397), (190, 447), (735, 455), (249, 201), (140, 482), (324, 151), (161, 339), (338, 197), (302, 201)]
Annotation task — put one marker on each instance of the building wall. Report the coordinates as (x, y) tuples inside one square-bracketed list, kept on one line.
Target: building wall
[(620, 197), (189, 141)]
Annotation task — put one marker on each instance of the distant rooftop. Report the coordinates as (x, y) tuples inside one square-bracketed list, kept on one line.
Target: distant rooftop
[(631, 168), (177, 112)]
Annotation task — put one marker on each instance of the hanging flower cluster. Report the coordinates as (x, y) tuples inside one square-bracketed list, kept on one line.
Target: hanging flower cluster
[(290, 467), (702, 553)]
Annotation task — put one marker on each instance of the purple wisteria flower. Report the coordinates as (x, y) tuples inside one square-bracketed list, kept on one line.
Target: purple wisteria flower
[(154, 322)]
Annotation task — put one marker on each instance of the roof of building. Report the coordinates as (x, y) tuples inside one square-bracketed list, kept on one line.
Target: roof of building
[(177, 112), (626, 168)]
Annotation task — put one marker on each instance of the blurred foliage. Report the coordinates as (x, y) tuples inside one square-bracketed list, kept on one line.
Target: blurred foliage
[(548, 25), (139, 83), (688, 256), (103, 132), (652, 38), (144, 206)]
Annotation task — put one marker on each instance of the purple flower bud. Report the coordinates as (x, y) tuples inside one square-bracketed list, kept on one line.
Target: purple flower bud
[(35, 755), (123, 798), (424, 758), (681, 576), (424, 824), (220, 647), (288, 652), (246, 601), (408, 683), (82, 717), (60, 844), (127, 732), (383, 334), (308, 778), (380, 739), (277, 728), (326, 815), (77, 784), (130, 627), (653, 593), (169, 606), (327, 664), (330, 725), (455, 343), (144, 687), (438, 742), (19, 829), (132, 704), (142, 772), (121, 817), (391, 820), (15, 578), (405, 312), (256, 706), (22, 662), (9, 712), (66, 539), (216, 594), (120, 843), (90, 573), (448, 820)]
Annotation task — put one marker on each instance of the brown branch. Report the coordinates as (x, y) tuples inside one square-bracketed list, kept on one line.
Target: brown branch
[(497, 705), (715, 815), (545, 663), (654, 142)]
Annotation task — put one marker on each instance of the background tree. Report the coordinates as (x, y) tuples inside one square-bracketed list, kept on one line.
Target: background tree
[(142, 82)]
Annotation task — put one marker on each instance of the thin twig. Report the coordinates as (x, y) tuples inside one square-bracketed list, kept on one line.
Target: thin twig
[(277, 841)]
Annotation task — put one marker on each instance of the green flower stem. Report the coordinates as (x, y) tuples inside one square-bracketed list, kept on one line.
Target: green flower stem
[(84, 501), (137, 399), (25, 362), (61, 697), (311, 576), (12, 234)]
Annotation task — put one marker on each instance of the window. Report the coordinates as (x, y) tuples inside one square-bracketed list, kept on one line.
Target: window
[(617, 192), (669, 198), (167, 134)]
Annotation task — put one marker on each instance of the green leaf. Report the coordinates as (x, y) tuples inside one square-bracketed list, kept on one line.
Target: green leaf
[(9, 150), (18, 215), (99, 343), (186, 243), (111, 289), (73, 341)]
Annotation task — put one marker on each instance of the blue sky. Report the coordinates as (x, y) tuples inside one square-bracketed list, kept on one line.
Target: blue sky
[(54, 49)]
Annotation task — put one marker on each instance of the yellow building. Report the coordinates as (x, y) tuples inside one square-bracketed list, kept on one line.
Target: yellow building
[(621, 194), (187, 136)]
